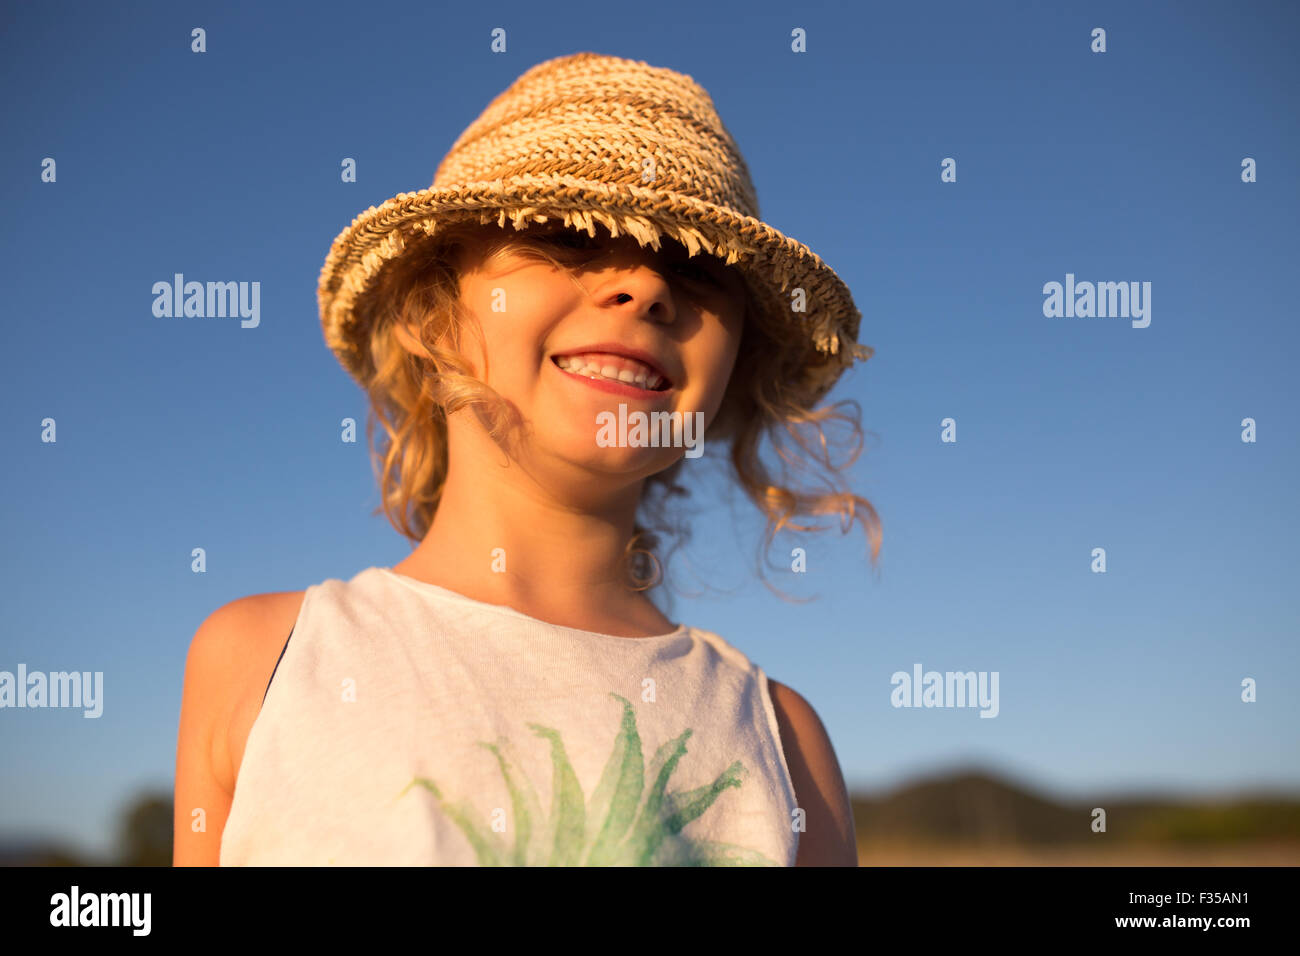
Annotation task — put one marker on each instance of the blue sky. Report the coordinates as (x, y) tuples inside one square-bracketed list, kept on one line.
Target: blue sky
[(1073, 433)]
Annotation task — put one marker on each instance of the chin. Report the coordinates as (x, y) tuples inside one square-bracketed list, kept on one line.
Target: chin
[(579, 440), (631, 463)]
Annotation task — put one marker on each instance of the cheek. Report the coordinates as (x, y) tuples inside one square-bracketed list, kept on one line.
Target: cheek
[(511, 334), (718, 374), (730, 331)]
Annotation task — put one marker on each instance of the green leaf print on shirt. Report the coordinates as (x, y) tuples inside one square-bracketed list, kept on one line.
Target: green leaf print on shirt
[(625, 823)]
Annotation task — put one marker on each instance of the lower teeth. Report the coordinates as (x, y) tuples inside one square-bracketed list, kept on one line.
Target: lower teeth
[(619, 380)]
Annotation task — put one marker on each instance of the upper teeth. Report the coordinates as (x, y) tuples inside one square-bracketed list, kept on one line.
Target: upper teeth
[(629, 371)]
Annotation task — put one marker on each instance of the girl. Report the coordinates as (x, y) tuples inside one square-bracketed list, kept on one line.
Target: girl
[(540, 334)]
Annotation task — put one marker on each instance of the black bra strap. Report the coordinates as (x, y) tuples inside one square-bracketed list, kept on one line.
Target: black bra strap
[(277, 665)]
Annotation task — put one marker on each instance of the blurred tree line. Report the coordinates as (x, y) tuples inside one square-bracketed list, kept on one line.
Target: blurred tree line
[(144, 839)]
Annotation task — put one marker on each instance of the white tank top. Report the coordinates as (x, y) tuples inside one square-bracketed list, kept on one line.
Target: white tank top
[(408, 725)]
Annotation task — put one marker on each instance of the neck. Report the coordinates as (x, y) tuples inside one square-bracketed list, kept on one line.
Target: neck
[(501, 537)]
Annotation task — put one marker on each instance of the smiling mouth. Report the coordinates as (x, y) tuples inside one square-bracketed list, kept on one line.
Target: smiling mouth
[(613, 368)]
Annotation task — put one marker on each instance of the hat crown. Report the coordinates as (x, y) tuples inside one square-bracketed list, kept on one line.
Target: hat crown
[(608, 120)]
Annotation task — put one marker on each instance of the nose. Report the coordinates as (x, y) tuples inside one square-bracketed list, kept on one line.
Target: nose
[(635, 282)]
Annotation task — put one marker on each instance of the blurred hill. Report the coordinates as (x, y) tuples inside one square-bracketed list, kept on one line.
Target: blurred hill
[(976, 818), (965, 817)]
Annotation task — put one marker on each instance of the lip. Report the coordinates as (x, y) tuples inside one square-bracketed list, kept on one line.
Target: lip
[(615, 348), (612, 387)]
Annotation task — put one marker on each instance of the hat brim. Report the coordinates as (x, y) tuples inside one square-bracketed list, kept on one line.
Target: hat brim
[(821, 339)]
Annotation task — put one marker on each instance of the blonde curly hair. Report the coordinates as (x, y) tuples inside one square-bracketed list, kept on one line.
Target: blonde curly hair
[(410, 398)]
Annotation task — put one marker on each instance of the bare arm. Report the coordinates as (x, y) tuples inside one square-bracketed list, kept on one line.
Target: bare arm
[(818, 782), (203, 790)]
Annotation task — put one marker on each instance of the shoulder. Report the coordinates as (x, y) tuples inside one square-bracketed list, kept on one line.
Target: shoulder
[(230, 661), (829, 838), (236, 632)]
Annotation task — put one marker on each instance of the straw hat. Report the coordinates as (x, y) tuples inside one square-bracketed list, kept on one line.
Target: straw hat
[(586, 139)]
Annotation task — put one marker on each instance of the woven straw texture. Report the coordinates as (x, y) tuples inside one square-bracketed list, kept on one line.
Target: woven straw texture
[(641, 150)]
